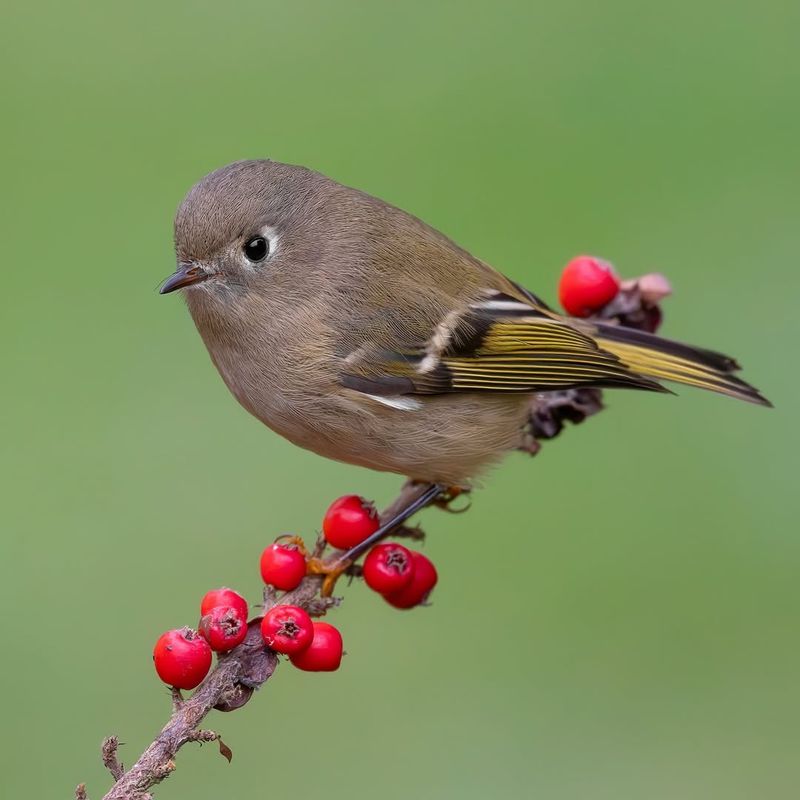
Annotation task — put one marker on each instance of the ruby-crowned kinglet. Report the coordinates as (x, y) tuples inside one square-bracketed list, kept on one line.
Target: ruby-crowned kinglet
[(356, 330)]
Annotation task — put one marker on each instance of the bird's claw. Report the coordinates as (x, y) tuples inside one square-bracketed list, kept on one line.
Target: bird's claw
[(446, 498), (331, 571)]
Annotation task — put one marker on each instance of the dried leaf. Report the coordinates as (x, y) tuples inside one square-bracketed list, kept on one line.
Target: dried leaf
[(224, 750)]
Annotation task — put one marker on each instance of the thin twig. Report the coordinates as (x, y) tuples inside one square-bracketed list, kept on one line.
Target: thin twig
[(110, 760)]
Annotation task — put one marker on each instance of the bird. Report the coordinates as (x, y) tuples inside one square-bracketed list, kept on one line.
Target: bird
[(357, 331)]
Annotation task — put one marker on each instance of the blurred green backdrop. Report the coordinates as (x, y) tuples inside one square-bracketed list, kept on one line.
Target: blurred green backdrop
[(617, 618)]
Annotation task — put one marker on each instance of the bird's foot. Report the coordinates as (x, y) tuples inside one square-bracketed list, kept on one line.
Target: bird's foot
[(330, 569), (291, 539), (446, 498)]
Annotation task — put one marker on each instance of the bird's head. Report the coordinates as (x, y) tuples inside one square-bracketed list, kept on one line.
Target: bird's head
[(246, 225)]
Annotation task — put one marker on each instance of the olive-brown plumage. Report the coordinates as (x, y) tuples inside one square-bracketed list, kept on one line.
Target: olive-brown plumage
[(355, 330)]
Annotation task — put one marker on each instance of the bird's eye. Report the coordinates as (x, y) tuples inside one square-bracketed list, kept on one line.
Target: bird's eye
[(256, 249)]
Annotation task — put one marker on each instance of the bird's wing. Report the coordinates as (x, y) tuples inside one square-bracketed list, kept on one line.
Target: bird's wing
[(506, 341)]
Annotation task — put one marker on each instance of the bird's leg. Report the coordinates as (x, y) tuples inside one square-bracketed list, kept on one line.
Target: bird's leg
[(331, 569), (428, 494)]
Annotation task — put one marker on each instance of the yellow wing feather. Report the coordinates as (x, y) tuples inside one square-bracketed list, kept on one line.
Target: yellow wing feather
[(537, 354)]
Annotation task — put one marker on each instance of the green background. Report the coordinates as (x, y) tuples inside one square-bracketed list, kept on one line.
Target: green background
[(617, 618)]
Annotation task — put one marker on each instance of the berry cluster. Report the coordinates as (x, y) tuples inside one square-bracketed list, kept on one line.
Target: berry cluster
[(590, 286), (403, 577)]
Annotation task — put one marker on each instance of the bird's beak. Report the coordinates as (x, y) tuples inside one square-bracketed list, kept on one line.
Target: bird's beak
[(186, 275)]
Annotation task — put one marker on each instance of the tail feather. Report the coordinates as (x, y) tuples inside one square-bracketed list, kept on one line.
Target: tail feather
[(663, 359)]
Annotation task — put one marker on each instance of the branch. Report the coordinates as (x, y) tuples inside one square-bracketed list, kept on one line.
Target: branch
[(228, 687), (237, 675)]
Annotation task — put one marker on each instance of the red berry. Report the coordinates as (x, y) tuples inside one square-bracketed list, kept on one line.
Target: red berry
[(423, 580), (283, 566), (224, 597), (388, 568), (325, 652), (182, 658), (587, 284), (223, 628), (349, 521), (287, 629)]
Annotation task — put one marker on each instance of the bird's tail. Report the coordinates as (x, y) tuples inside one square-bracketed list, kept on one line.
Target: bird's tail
[(663, 359)]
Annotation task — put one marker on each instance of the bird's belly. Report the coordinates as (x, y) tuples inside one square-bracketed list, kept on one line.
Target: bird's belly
[(449, 439)]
